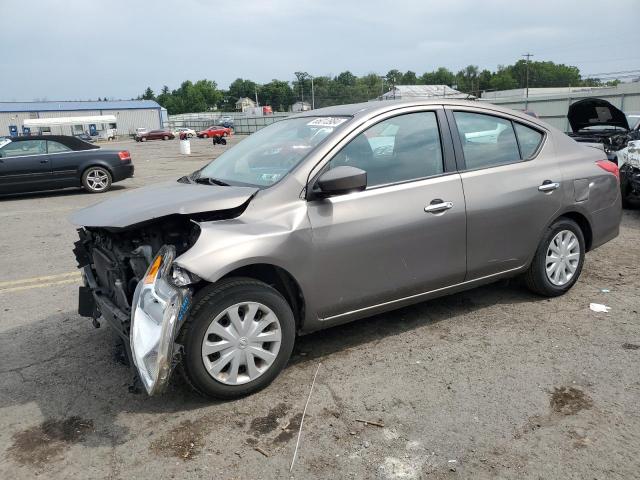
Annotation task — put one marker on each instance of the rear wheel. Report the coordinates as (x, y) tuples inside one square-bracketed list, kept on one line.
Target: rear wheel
[(238, 337), (96, 179), (143, 139), (558, 261), (166, 137)]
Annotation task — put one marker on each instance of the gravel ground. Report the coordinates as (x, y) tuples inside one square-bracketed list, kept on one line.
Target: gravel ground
[(491, 383)]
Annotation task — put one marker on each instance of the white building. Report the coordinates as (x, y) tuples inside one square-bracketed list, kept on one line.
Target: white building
[(244, 103), (129, 115), (423, 91)]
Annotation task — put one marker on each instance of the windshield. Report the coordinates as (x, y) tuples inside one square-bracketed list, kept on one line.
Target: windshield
[(266, 156)]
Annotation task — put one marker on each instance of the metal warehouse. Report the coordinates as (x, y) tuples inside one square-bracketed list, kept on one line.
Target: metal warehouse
[(123, 115)]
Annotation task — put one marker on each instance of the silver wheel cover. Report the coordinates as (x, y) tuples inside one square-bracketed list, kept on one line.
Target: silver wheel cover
[(97, 180), (563, 258), (241, 343)]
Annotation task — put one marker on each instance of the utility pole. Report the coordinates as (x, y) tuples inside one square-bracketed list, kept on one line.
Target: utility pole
[(313, 95), (526, 101), (255, 89)]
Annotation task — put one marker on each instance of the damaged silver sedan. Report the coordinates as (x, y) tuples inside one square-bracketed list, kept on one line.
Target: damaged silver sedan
[(330, 216)]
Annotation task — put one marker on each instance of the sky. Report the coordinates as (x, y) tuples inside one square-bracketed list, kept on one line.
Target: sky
[(80, 50)]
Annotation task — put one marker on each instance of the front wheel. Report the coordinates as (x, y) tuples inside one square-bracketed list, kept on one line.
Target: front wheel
[(143, 139), (205, 136), (96, 180), (558, 261), (238, 338), (166, 137)]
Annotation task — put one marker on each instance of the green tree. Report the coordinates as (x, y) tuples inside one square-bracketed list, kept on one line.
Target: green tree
[(148, 94)]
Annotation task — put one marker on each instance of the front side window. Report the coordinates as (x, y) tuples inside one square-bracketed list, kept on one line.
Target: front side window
[(487, 141), (528, 139), (56, 147), (23, 148), (266, 156), (402, 148)]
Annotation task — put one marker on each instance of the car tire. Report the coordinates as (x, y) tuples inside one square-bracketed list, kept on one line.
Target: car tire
[(143, 139), (223, 141), (210, 310), (96, 179), (205, 135), (558, 261), (166, 137)]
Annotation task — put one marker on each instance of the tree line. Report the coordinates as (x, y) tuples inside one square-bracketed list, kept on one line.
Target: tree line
[(204, 95)]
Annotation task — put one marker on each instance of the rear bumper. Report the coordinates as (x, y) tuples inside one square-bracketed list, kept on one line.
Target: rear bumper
[(120, 172), (605, 224)]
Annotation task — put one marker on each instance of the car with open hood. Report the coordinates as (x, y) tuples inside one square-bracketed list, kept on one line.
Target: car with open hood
[(335, 215), (597, 122)]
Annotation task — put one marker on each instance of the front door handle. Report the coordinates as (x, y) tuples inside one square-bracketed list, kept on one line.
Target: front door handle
[(44, 161), (548, 186), (437, 206)]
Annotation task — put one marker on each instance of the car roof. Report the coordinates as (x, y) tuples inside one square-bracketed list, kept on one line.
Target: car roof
[(73, 143), (381, 106)]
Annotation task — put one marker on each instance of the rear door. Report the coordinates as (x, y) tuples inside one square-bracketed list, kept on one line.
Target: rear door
[(24, 165), (511, 185)]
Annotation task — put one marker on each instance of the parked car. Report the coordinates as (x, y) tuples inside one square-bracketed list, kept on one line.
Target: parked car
[(597, 122), (292, 231), (189, 132), (161, 134), (47, 162), (226, 121), (214, 131)]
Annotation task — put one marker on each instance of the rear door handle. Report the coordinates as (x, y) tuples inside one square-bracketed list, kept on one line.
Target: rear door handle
[(437, 206), (548, 186)]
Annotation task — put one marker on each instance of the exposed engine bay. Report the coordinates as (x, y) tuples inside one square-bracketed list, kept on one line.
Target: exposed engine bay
[(118, 259)]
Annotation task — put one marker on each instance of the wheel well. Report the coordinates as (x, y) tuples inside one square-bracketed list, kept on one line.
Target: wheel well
[(279, 279), (584, 225), (87, 167)]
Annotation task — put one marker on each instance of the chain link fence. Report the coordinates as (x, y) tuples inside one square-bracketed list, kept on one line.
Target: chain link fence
[(242, 124)]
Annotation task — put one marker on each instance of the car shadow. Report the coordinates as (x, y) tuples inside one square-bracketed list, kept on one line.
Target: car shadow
[(74, 369), (63, 192)]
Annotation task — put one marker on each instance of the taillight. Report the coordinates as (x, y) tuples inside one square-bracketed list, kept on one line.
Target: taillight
[(609, 167), (124, 155)]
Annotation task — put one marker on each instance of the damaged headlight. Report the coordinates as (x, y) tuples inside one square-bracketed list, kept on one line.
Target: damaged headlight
[(159, 308), (181, 278)]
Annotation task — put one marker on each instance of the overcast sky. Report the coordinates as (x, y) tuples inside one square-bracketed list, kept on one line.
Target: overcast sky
[(77, 50)]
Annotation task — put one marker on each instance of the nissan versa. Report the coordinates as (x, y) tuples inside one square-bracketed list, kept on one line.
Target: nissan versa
[(334, 215)]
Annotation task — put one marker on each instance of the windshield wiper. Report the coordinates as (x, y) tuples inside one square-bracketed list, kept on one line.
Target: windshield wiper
[(211, 181)]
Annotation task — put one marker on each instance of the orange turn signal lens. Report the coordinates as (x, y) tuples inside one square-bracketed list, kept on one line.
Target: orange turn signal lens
[(153, 271)]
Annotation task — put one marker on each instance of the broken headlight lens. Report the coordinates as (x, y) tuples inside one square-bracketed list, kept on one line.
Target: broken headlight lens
[(158, 310), (181, 277)]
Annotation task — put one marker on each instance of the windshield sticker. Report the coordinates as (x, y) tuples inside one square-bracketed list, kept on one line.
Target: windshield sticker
[(4, 141), (327, 122)]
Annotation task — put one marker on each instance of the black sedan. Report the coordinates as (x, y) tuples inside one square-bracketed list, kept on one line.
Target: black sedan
[(56, 161)]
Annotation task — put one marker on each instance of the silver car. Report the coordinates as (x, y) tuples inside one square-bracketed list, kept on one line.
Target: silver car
[(331, 216)]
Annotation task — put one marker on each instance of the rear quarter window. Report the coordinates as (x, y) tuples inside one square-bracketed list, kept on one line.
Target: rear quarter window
[(528, 139)]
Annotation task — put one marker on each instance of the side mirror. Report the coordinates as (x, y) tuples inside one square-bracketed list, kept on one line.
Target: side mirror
[(340, 180)]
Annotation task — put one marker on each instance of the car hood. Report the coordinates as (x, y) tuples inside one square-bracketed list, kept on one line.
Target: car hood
[(592, 112), (155, 201)]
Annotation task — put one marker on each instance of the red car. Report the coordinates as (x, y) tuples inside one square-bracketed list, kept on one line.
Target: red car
[(155, 135), (214, 131)]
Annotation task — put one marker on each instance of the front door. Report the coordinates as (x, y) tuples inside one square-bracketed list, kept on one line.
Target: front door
[(24, 165), (511, 185), (404, 235)]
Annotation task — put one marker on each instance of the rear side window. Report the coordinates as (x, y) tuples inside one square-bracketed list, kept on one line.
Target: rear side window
[(56, 147), (528, 139), (487, 141)]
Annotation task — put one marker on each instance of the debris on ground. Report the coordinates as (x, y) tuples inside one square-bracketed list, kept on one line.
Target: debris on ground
[(370, 422), (600, 308)]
